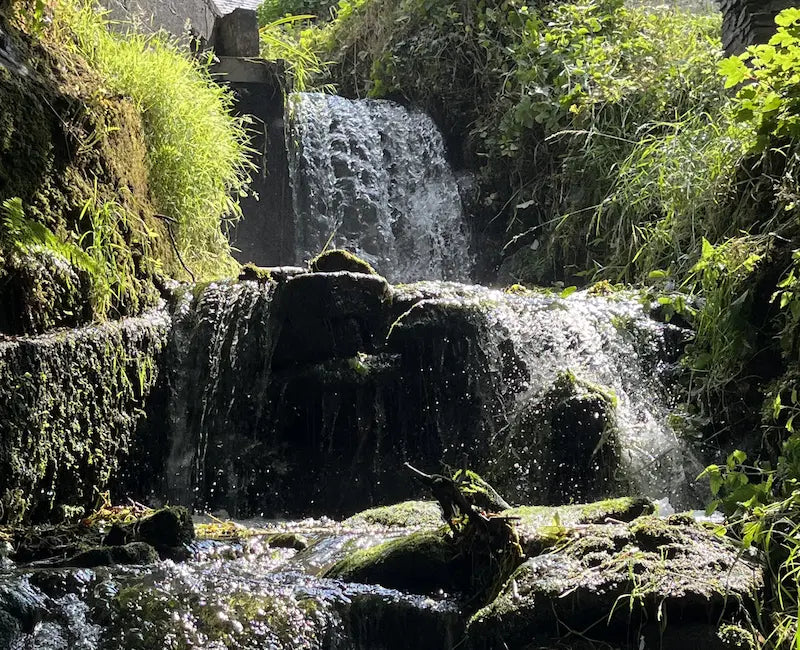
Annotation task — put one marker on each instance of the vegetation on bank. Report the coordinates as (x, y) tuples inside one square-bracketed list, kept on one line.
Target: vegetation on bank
[(196, 149), (119, 163)]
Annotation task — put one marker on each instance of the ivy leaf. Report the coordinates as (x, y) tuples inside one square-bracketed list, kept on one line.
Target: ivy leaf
[(734, 70)]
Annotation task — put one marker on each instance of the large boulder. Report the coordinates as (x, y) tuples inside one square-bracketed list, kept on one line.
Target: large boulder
[(408, 514), (423, 562), (608, 581), (330, 315)]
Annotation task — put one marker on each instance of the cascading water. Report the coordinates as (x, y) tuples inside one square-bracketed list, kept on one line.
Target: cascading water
[(220, 354), (555, 398), (371, 176), (611, 347)]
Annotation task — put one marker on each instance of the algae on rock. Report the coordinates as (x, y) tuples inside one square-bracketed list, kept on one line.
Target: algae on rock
[(70, 403), (610, 580)]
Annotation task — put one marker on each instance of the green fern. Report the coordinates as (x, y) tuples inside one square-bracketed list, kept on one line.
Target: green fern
[(28, 237)]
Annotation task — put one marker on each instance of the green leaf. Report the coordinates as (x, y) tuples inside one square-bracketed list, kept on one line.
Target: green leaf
[(738, 457), (772, 102), (734, 70), (568, 292), (787, 17), (707, 250), (658, 274)]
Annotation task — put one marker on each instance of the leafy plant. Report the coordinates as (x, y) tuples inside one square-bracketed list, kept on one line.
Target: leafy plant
[(271, 11), (282, 40), (101, 253), (722, 276), (27, 237), (769, 100)]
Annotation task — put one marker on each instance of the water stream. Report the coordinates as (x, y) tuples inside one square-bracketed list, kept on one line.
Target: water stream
[(242, 595), (371, 176)]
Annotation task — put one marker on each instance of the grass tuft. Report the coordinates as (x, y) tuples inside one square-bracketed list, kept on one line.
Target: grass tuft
[(196, 149)]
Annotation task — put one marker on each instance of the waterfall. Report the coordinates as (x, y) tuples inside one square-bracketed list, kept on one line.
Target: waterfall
[(220, 356), (281, 391), (604, 347), (371, 176)]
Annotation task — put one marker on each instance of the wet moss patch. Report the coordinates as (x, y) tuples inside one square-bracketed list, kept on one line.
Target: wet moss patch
[(69, 406)]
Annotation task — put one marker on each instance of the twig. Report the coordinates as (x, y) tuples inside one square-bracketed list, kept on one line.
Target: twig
[(169, 221)]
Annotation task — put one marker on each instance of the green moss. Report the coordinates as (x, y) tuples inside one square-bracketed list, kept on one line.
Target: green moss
[(422, 562), (255, 273), (652, 533), (408, 514), (621, 509), (70, 404), (340, 260), (734, 637)]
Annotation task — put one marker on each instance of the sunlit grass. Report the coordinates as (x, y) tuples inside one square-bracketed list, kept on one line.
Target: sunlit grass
[(196, 148)]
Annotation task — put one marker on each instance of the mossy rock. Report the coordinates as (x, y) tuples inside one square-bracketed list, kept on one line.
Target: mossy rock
[(70, 404), (604, 578), (422, 562), (408, 514), (541, 527), (329, 315), (565, 444), (168, 530), (133, 553), (255, 273), (340, 260), (292, 540)]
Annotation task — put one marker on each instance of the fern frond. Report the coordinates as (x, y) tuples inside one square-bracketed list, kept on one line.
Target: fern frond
[(26, 236)]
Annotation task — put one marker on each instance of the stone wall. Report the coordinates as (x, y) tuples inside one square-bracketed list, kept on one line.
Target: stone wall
[(179, 17), (70, 403), (747, 22)]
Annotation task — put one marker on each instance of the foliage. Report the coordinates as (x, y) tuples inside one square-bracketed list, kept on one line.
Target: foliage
[(197, 154), (762, 500), (567, 108), (769, 101), (101, 253), (26, 236), (271, 11), (763, 509), (723, 276), (281, 40)]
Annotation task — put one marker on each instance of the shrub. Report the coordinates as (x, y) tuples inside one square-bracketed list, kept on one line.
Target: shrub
[(272, 10)]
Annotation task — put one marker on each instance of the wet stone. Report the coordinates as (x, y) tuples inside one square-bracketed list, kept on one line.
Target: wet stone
[(169, 530), (133, 553), (340, 260), (606, 579), (330, 315)]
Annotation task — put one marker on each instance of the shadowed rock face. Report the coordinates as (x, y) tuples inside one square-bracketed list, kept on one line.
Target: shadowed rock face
[(306, 393), (70, 404), (748, 22)]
